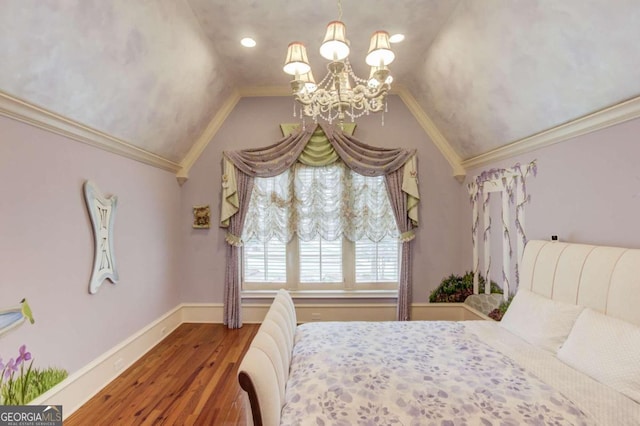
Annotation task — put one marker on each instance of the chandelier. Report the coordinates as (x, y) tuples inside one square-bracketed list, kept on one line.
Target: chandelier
[(341, 93)]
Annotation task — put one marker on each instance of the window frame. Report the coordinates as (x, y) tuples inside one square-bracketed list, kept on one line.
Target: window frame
[(348, 285)]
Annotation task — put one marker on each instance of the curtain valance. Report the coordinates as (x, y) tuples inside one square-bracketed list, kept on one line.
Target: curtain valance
[(273, 159)]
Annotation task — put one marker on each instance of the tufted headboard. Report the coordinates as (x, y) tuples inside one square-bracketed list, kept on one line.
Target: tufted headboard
[(606, 279)]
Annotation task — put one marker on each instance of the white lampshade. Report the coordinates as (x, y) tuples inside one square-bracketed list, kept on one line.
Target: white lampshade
[(309, 82), (380, 52), (335, 46), (379, 75), (296, 62)]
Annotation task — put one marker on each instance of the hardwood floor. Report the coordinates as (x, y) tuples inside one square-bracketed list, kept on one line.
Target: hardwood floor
[(187, 379)]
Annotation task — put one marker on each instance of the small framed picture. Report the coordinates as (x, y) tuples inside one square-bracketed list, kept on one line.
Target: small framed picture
[(201, 217)]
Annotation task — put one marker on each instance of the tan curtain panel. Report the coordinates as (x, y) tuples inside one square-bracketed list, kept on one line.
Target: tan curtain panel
[(316, 147)]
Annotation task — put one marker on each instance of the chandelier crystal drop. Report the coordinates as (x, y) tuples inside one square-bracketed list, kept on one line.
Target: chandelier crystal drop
[(341, 93)]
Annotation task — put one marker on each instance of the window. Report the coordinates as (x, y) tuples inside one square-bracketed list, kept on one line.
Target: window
[(320, 228), (265, 262), (377, 262), (320, 261)]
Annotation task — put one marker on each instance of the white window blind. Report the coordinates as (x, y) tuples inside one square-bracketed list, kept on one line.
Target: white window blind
[(377, 262), (321, 261), (265, 262)]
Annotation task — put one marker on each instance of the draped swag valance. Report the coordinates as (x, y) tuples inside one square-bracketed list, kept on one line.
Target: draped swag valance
[(317, 146)]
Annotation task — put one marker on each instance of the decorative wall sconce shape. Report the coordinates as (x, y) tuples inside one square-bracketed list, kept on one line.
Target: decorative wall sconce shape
[(201, 217), (102, 211)]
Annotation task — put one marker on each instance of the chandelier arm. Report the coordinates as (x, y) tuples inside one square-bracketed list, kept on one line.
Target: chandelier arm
[(380, 91)]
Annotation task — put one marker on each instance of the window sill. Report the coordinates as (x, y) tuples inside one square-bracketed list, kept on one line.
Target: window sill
[(323, 294)]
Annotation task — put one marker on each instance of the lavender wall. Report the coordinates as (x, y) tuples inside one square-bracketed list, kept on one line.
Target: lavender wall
[(46, 246), (587, 190), (255, 122)]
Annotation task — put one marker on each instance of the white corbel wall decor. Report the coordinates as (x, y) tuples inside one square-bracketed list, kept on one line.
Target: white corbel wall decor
[(102, 211), (511, 184)]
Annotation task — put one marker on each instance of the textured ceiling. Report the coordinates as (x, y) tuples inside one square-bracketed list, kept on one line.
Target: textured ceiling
[(276, 23), (154, 73), (142, 71), (503, 70)]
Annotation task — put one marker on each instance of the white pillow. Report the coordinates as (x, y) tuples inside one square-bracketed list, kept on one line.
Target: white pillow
[(607, 349), (542, 322)]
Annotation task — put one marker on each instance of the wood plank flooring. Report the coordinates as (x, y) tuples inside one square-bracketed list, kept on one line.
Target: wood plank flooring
[(187, 379)]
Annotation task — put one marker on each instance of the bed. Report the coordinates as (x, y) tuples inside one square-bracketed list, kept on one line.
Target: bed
[(566, 353)]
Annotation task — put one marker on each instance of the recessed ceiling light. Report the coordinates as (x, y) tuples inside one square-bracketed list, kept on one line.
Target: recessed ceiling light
[(396, 38), (248, 42)]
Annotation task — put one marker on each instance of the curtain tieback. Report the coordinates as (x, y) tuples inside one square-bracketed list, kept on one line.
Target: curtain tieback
[(405, 237), (233, 240)]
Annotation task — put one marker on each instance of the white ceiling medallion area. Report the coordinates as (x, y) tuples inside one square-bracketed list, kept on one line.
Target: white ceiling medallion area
[(25, 112)]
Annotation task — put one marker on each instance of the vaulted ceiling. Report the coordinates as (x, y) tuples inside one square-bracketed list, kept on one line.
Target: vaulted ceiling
[(154, 75)]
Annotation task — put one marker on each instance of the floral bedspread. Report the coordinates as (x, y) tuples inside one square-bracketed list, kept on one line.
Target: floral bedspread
[(413, 373)]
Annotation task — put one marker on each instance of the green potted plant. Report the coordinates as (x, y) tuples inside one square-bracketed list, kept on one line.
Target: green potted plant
[(456, 288)]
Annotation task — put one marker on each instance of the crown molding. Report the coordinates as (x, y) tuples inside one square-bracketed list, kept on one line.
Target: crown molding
[(36, 116), (607, 117), (434, 133), (207, 135), (23, 111)]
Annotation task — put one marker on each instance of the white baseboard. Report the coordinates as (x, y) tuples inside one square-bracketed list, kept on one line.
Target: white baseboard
[(202, 312), (83, 384)]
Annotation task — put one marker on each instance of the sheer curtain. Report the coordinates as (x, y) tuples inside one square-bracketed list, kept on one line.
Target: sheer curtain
[(329, 201)]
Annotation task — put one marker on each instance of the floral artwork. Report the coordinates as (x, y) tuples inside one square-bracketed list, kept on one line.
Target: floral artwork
[(202, 217), (511, 185), (21, 383)]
